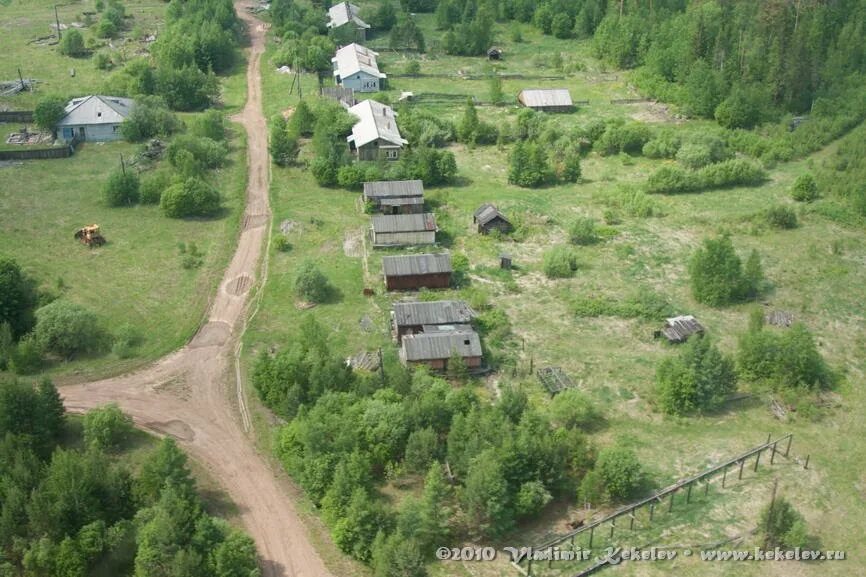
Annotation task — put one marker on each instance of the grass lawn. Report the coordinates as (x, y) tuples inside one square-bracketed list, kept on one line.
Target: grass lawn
[(816, 270)]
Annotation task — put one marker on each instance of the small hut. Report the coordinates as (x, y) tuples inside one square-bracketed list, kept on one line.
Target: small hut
[(395, 196), (494, 53), (679, 329), (403, 229), (436, 348), (546, 100), (488, 218), (413, 317), (415, 271)]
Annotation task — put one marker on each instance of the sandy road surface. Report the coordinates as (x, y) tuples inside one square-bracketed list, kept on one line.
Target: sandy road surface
[(189, 394)]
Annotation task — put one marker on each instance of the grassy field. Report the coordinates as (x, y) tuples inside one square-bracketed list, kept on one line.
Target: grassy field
[(138, 277), (816, 270)]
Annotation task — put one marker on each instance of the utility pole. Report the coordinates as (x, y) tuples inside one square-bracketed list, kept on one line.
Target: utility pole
[(122, 164), (57, 21)]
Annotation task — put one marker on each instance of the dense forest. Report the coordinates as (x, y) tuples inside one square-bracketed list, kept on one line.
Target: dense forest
[(71, 504)]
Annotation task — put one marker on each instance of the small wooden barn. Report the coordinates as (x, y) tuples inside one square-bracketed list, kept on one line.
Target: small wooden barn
[(395, 196), (403, 229), (488, 218), (494, 53), (679, 329), (412, 317), (415, 271), (436, 348), (546, 100)]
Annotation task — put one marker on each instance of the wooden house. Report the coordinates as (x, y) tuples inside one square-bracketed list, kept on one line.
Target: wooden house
[(346, 14), (403, 229), (375, 136), (488, 218), (395, 196), (355, 68), (412, 317), (679, 329), (437, 347), (546, 100), (94, 118), (412, 272)]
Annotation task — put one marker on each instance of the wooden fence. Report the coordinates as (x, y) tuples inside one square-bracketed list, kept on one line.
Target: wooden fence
[(40, 153), (16, 116)]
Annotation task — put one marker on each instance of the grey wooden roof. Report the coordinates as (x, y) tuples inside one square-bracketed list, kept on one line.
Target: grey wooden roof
[(355, 58), (487, 213), (376, 121), (412, 313), (391, 188), (402, 201), (440, 345), (342, 13), (96, 109), (678, 329), (416, 264), (404, 222), (542, 98)]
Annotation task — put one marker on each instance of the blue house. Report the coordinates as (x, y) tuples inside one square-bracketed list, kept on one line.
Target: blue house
[(355, 67)]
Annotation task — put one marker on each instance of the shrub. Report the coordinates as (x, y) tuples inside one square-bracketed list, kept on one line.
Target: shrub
[(572, 409), (559, 262), (48, 112), (717, 276), (735, 172), (67, 329), (18, 298), (531, 498), (781, 217), (786, 360), (582, 232), (122, 188), (106, 428), (528, 165), (126, 338), (311, 285), (781, 525), (72, 43), (191, 197), (26, 358), (282, 244), (102, 61), (152, 186), (629, 138), (620, 472), (664, 145), (698, 380), (149, 118), (283, 146), (206, 153), (210, 124), (805, 188)]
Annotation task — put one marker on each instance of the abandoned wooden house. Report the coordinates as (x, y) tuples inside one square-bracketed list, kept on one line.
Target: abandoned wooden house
[(94, 118), (412, 317), (546, 100), (355, 67), (375, 136), (436, 348), (403, 229), (415, 271), (395, 196), (488, 218), (346, 14), (679, 329)]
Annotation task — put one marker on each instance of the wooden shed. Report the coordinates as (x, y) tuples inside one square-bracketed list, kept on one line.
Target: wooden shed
[(403, 229), (436, 348), (546, 100), (412, 272), (412, 317), (395, 196), (488, 218), (679, 329), (494, 53)]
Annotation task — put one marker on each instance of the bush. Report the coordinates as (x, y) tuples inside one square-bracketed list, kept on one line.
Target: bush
[(126, 338), (191, 197), (787, 360), (149, 118), (311, 285), (26, 358), (735, 172), (122, 188), (206, 153), (48, 112), (210, 124), (699, 380), (528, 165), (717, 276), (531, 498), (781, 217), (664, 145), (582, 232), (102, 61), (152, 186), (572, 409), (559, 262), (282, 244), (106, 428), (72, 43), (620, 472), (18, 298), (629, 138), (67, 329), (782, 526), (283, 146), (805, 188)]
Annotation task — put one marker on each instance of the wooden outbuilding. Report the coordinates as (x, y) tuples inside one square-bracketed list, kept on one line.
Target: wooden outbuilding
[(546, 100), (413, 317), (412, 272), (403, 229), (679, 329), (494, 53), (395, 196), (436, 348), (488, 218)]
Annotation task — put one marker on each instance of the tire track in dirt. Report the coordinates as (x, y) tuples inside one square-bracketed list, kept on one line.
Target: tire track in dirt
[(191, 393)]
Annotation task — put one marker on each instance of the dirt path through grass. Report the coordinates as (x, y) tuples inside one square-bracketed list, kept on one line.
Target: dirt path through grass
[(191, 394)]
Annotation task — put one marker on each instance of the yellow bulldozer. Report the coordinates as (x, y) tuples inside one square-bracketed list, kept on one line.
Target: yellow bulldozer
[(90, 235)]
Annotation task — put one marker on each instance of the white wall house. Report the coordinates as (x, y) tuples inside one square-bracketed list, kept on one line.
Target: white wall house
[(346, 14), (94, 118), (355, 67)]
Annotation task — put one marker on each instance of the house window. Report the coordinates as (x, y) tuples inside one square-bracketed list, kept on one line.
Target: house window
[(114, 128), (392, 154), (98, 115), (466, 342)]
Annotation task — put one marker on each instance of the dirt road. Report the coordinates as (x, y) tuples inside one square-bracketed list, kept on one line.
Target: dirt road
[(191, 394)]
